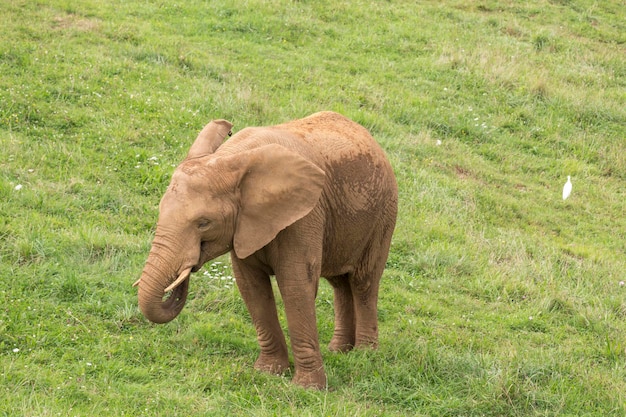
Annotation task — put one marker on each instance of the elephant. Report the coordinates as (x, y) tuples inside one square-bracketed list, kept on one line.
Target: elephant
[(310, 198)]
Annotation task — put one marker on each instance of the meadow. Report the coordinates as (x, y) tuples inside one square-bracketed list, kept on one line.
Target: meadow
[(499, 298)]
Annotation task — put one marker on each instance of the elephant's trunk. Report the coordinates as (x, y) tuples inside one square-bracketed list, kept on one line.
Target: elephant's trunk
[(152, 288)]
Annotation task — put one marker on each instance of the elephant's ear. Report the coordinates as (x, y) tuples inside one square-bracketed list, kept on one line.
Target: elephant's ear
[(210, 138), (277, 188)]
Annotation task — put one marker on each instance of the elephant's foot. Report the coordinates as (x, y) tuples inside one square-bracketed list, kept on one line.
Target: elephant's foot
[(340, 345), (342, 341), (271, 364), (315, 379), (367, 342)]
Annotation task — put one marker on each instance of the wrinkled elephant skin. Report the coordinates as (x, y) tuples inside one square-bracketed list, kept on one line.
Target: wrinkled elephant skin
[(309, 198)]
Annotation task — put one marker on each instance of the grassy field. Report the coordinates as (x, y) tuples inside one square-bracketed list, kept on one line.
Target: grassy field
[(500, 298)]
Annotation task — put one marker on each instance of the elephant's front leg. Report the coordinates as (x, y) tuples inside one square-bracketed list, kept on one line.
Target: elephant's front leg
[(256, 290), (298, 287)]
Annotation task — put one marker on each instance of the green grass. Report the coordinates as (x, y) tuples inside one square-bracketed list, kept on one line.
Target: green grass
[(499, 298)]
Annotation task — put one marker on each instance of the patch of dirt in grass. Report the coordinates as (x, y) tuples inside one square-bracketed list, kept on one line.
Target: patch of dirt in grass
[(73, 21)]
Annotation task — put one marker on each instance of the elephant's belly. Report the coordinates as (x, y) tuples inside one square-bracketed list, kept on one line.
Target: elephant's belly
[(339, 258)]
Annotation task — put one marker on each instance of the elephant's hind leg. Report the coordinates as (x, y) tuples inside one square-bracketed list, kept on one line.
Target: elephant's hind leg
[(345, 326), (364, 283), (365, 298)]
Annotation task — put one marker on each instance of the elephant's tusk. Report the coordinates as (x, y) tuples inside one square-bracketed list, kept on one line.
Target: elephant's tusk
[(183, 276), (136, 282)]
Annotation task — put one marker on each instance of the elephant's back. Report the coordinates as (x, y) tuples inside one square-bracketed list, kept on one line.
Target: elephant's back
[(337, 142), (352, 159), (334, 135)]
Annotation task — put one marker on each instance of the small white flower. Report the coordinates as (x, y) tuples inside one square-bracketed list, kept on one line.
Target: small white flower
[(16, 350), (438, 142), (622, 283), (88, 364), (18, 187)]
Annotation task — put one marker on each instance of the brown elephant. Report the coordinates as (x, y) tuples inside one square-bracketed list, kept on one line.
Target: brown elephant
[(308, 198)]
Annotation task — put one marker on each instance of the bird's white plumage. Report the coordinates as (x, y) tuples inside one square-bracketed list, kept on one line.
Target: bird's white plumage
[(567, 188)]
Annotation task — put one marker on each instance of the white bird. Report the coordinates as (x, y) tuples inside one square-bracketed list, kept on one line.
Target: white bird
[(567, 188)]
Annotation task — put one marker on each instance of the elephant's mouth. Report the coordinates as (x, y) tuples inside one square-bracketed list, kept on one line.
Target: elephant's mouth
[(184, 276), (158, 305), (175, 300)]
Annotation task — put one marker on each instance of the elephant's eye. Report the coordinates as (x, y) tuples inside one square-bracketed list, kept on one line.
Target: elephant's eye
[(204, 224)]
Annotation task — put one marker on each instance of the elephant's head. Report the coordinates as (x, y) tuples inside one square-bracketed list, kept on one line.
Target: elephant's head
[(215, 204)]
